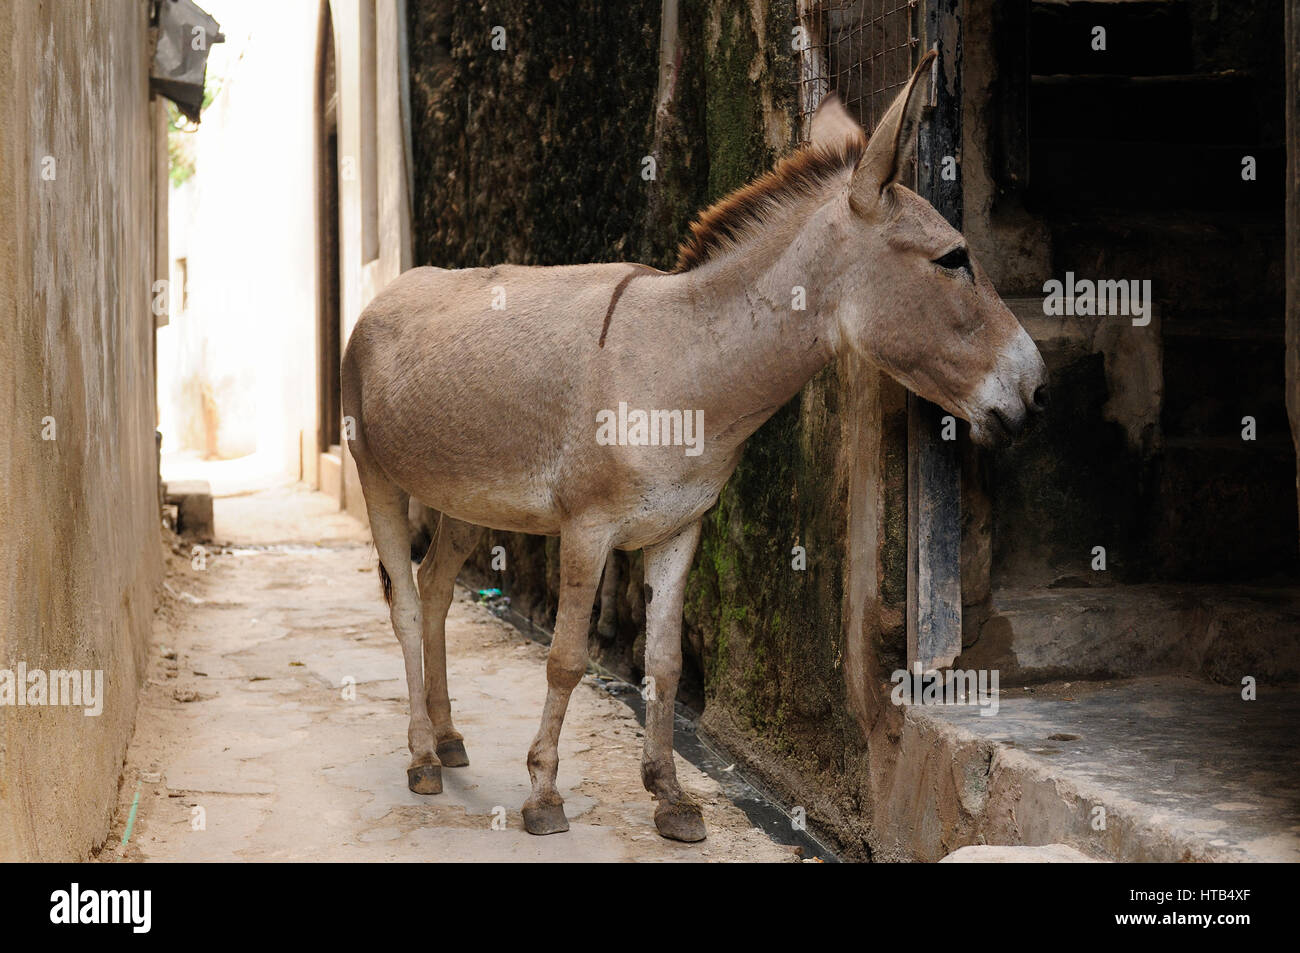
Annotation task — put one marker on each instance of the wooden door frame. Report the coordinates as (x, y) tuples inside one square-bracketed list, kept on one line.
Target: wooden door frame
[(329, 351), (1292, 253), (934, 464)]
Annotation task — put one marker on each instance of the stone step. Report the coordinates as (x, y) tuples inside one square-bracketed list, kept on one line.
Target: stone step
[(193, 502), (1148, 769), (1142, 37), (1076, 630), (997, 854), (1220, 107)]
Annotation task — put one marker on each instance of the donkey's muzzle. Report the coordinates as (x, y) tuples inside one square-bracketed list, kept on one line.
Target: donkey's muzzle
[(1013, 414), (1014, 422), (1013, 393)]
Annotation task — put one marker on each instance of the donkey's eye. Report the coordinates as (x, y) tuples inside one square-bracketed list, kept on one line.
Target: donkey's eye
[(957, 259)]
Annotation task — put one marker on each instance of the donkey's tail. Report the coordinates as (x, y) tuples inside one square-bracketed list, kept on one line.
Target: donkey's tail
[(350, 386)]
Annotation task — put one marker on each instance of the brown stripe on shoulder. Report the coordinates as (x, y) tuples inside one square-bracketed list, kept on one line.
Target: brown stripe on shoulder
[(727, 221), (637, 271)]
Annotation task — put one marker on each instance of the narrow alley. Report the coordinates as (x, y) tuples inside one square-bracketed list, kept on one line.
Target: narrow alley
[(883, 415), (272, 726)]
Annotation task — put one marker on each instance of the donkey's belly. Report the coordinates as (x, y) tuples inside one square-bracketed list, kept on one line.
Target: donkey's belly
[(497, 515), (513, 503), (641, 508)]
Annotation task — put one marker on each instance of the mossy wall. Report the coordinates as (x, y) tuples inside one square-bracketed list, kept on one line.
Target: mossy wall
[(533, 155)]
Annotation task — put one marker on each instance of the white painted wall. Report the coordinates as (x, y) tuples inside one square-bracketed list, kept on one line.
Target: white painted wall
[(237, 370)]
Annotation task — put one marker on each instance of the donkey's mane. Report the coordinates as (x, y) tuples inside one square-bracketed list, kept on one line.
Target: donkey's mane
[(802, 173)]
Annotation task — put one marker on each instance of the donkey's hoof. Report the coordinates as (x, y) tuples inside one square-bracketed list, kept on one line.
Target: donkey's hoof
[(425, 778), (681, 821), (452, 754), (545, 819)]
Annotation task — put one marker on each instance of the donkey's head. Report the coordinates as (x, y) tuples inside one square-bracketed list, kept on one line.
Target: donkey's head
[(914, 301)]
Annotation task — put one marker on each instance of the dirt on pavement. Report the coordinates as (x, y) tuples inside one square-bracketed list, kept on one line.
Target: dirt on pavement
[(273, 723)]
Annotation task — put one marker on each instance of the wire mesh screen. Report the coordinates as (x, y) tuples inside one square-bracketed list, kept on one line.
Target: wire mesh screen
[(860, 49)]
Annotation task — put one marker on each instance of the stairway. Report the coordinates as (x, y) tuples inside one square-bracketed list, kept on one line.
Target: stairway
[(1134, 166), (1161, 118)]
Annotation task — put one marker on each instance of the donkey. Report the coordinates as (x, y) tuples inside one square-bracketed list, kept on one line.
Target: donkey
[(483, 392)]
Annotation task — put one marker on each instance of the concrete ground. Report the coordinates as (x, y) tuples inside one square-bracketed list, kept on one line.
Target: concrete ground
[(273, 725), (1184, 769)]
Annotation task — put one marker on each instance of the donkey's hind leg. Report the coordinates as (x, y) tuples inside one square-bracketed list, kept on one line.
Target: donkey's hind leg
[(677, 816), (386, 506), (453, 541)]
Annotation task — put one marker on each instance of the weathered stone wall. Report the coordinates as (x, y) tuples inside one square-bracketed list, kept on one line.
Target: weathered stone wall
[(531, 154), (79, 514)]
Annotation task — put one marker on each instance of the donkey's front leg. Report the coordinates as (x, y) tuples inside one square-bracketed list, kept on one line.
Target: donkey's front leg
[(666, 566), (582, 555)]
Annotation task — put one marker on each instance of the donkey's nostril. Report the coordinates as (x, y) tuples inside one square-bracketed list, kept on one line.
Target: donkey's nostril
[(1040, 397), (1012, 424)]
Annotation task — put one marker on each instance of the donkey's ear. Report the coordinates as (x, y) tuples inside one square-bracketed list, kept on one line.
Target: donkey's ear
[(893, 142), (832, 124)]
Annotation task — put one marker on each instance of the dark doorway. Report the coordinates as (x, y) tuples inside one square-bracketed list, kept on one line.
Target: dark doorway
[(1148, 524), (329, 345)]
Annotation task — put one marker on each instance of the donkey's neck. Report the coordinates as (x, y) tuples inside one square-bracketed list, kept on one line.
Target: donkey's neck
[(764, 345)]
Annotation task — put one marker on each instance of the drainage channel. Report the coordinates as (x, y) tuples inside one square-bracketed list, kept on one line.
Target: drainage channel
[(763, 810)]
